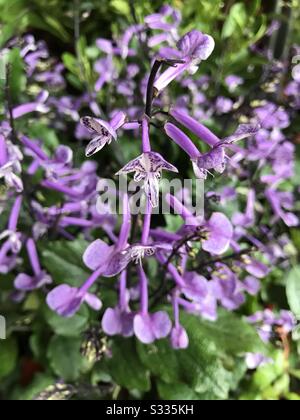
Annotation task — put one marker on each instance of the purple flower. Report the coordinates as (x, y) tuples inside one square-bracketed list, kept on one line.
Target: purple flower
[(151, 327), (192, 49), (38, 105), (216, 157), (278, 201), (255, 360), (246, 219), (226, 290), (148, 168), (105, 132), (179, 338), (217, 231), (39, 279), (224, 105), (270, 116), (10, 165), (233, 82), (266, 320), (200, 291), (11, 235), (66, 300)]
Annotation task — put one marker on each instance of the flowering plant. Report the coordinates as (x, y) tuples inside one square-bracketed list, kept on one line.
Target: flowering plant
[(117, 284)]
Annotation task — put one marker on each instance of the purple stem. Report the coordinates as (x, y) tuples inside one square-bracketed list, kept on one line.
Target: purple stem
[(146, 147), (176, 309), (131, 126), (180, 209), (123, 289), (91, 280), (143, 290), (147, 224), (126, 224), (33, 256), (15, 213)]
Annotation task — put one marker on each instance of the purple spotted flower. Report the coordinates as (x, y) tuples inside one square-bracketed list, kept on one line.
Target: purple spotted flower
[(193, 48), (10, 167), (214, 159), (148, 168), (217, 232), (39, 279), (104, 131)]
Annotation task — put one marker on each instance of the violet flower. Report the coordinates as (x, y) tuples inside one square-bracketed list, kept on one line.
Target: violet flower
[(149, 327), (104, 260), (40, 278), (104, 131), (9, 167), (279, 202), (148, 167), (218, 230), (66, 300), (193, 47), (179, 337), (11, 235), (119, 320), (232, 81), (38, 105), (214, 159)]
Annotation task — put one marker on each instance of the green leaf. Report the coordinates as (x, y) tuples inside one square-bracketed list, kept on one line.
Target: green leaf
[(65, 358), (63, 260), (293, 290), (176, 391), (125, 367), (160, 360), (235, 21), (67, 327), (230, 333), (8, 356), (121, 6)]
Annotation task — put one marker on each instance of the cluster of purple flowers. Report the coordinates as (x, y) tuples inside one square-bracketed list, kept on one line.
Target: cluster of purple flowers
[(195, 288)]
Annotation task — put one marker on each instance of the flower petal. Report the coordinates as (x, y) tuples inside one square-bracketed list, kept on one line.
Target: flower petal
[(97, 254), (243, 131), (220, 234), (65, 300), (93, 301)]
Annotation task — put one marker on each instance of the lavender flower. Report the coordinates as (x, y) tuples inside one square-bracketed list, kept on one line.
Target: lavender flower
[(10, 165), (40, 278), (119, 320), (216, 157), (105, 132), (192, 49)]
